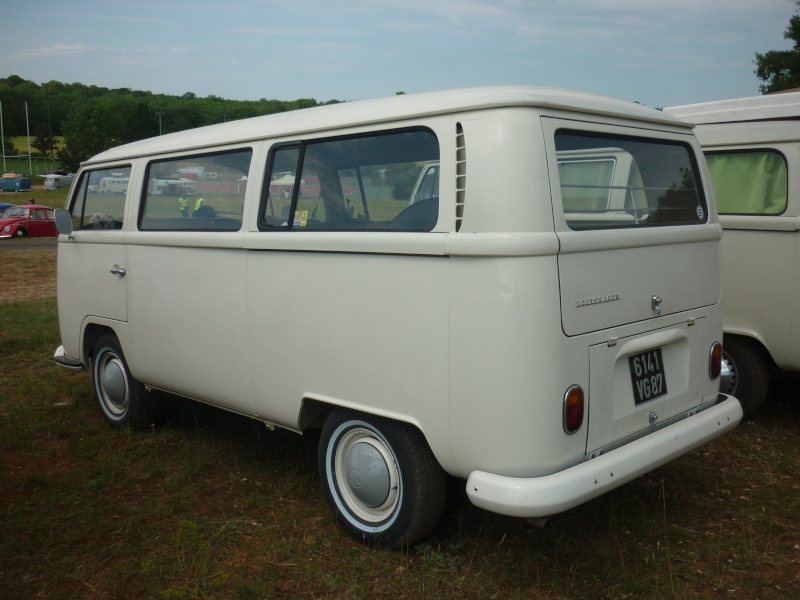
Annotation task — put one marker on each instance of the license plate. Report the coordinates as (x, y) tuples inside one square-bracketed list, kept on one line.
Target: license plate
[(647, 375)]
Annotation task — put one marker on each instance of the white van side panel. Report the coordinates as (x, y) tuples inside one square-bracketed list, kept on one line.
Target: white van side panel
[(755, 262), (500, 145), (510, 367), (336, 327), (187, 308)]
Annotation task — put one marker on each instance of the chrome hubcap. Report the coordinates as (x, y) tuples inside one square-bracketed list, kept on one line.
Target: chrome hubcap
[(367, 475), (113, 384)]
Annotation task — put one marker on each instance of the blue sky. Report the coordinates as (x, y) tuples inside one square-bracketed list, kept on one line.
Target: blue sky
[(660, 53)]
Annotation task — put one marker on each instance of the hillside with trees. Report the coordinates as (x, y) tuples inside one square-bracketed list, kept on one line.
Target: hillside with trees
[(90, 119)]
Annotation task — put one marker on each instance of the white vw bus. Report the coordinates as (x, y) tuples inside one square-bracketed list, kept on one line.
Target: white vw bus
[(546, 325), (752, 146)]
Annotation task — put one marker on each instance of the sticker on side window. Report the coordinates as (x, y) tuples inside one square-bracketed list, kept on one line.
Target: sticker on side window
[(300, 218)]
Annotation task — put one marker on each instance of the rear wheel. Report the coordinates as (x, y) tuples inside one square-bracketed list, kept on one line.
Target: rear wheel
[(123, 399), (749, 373), (380, 478)]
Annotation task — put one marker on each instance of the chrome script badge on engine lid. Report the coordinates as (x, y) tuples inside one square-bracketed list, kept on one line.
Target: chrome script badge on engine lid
[(641, 381)]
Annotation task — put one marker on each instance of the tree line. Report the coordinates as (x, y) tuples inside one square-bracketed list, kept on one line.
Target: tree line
[(90, 119)]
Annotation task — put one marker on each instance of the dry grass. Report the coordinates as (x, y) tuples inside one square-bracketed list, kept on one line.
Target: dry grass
[(26, 275)]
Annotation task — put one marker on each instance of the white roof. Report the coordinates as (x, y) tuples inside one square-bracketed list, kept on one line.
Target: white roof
[(756, 108), (384, 110)]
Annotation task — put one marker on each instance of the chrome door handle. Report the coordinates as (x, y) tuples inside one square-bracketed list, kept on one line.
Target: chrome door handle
[(117, 270), (655, 303)]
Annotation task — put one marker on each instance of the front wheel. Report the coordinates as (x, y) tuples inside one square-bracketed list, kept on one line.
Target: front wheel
[(380, 478), (123, 399), (749, 373), (20, 234)]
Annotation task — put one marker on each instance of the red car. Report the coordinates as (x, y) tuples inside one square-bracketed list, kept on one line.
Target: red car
[(28, 220)]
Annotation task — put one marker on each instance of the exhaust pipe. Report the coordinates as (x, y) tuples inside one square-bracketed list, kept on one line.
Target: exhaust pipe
[(539, 522)]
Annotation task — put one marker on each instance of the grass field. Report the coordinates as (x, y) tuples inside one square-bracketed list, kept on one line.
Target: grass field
[(51, 198), (211, 505)]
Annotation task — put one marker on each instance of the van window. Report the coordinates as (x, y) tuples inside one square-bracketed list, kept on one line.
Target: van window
[(750, 182), (352, 184), (196, 193), (100, 199), (615, 181)]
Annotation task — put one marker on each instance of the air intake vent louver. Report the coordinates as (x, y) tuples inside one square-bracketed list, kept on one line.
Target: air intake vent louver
[(461, 174)]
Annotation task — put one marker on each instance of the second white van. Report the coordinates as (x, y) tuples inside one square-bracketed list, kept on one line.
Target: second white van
[(752, 146)]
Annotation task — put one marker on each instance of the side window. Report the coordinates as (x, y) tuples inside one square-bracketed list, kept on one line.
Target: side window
[(367, 182), (203, 193), (749, 182), (427, 185), (100, 199), (586, 183), (611, 181)]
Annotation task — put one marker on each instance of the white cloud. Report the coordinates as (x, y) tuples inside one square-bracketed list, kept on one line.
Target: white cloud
[(55, 50)]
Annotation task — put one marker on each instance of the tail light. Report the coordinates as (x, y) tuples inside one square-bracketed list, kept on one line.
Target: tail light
[(573, 409), (715, 360)]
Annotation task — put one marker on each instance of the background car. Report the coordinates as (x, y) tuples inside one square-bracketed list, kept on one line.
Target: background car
[(13, 182), (28, 220), (4, 206)]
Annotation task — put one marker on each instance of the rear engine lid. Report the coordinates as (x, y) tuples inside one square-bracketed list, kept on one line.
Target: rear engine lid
[(639, 382), (606, 288)]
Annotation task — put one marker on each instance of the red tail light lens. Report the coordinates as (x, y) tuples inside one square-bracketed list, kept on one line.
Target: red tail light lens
[(715, 360), (573, 409)]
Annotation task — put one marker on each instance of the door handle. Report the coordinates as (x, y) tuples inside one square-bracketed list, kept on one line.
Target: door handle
[(655, 303), (117, 270)]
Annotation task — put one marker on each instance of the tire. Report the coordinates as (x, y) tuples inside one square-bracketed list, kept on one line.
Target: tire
[(20, 234), (749, 373), (402, 500), (124, 400)]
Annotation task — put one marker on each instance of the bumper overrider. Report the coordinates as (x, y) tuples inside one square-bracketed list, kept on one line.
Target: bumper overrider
[(552, 494)]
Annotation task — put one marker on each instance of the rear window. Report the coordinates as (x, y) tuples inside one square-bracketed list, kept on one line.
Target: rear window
[(615, 181), (749, 182)]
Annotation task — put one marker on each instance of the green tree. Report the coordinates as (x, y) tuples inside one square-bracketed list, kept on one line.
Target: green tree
[(780, 69), (43, 141), (8, 146), (86, 133), (70, 156)]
